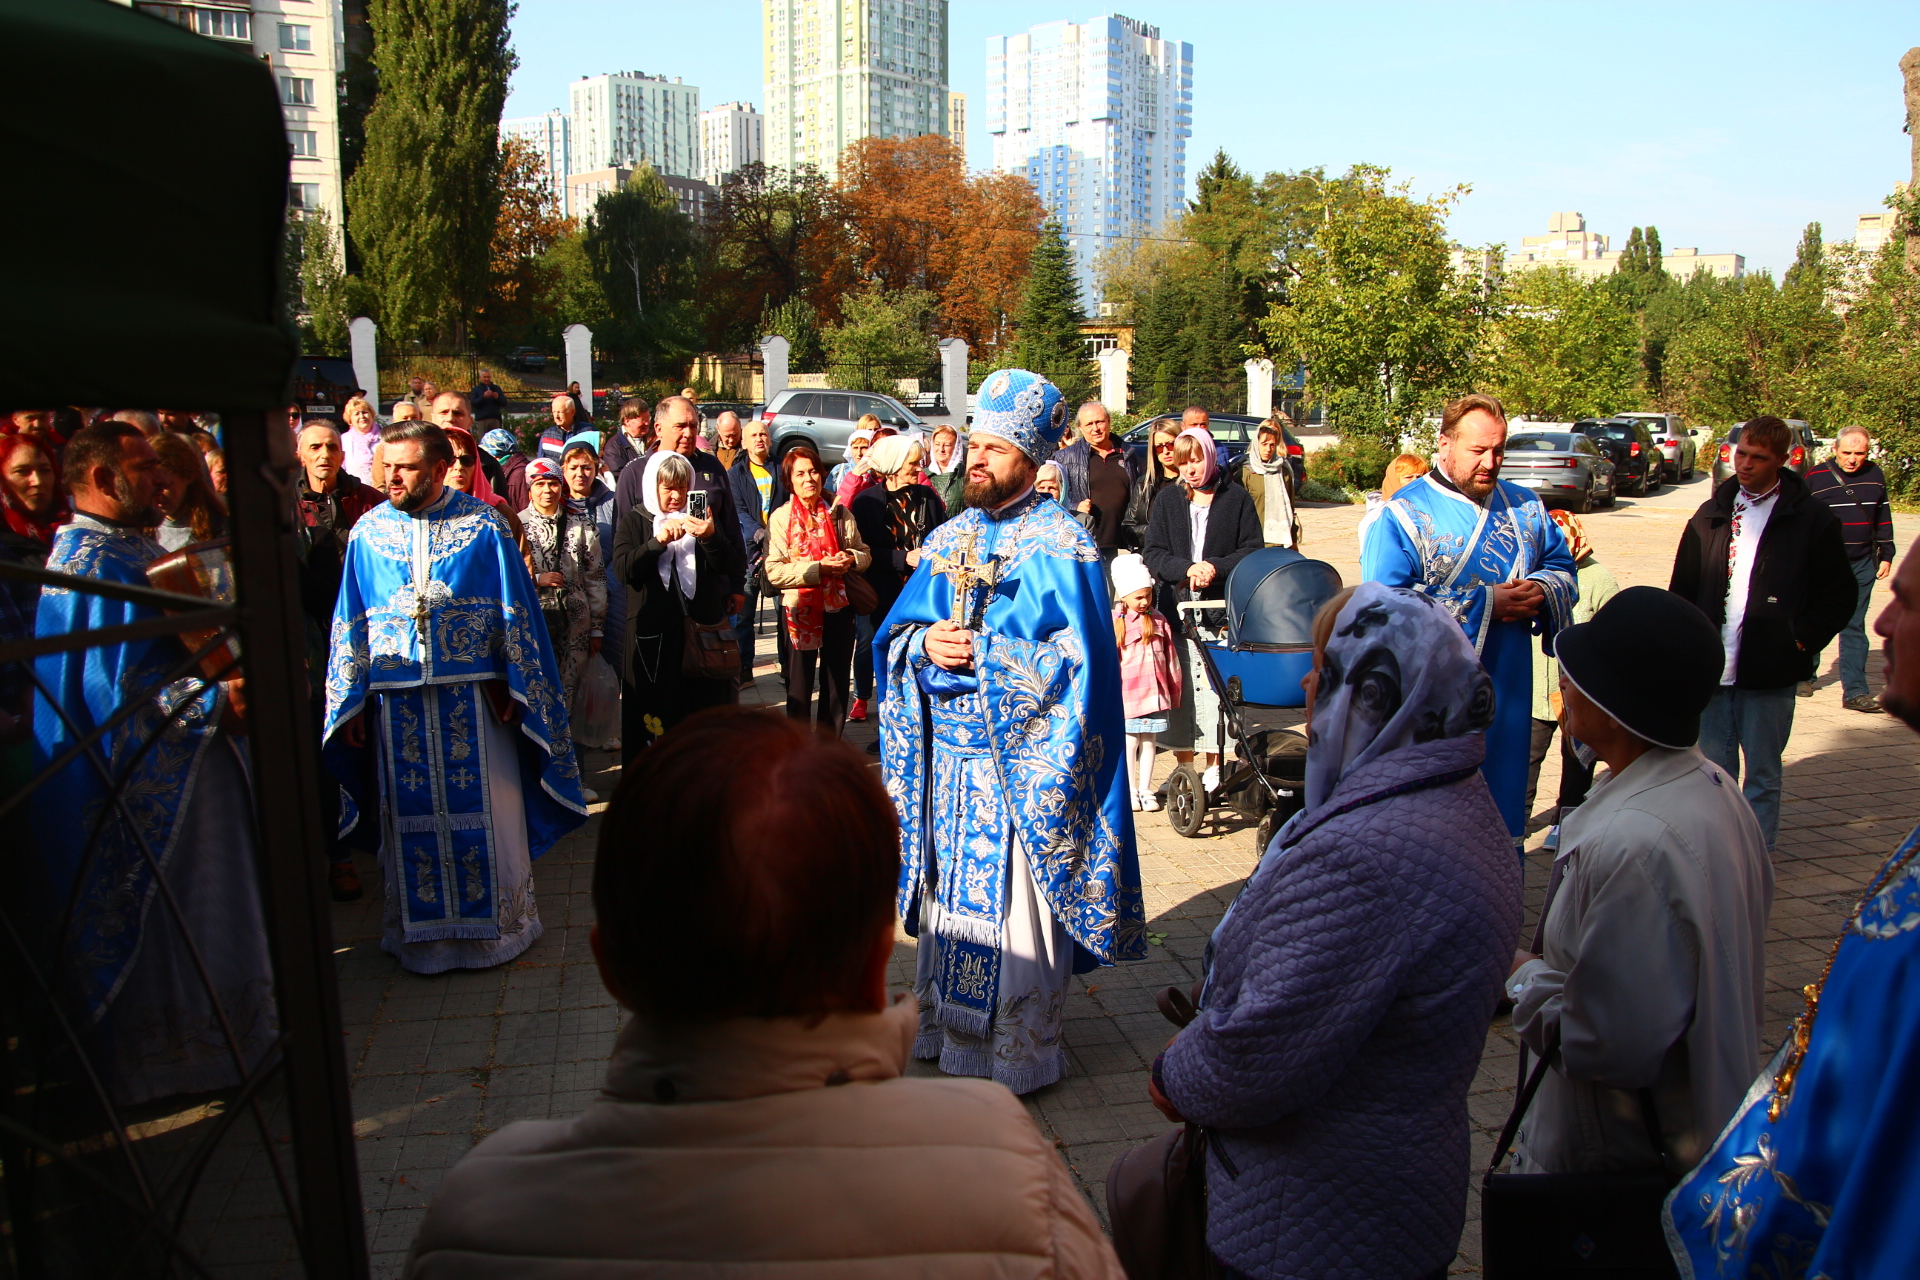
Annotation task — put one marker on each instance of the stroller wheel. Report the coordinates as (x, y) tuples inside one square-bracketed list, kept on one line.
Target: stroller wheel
[(1186, 801)]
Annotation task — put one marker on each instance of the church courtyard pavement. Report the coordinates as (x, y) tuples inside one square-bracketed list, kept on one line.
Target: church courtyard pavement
[(438, 1063)]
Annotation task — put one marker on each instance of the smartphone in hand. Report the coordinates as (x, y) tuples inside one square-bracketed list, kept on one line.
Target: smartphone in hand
[(697, 504)]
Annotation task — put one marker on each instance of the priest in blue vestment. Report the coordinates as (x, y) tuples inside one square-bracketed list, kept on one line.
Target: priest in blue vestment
[(1816, 1175), (147, 871), (439, 662), (1002, 736), (1486, 550)]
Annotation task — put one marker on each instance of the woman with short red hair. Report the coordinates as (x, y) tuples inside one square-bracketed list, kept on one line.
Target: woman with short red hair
[(756, 1120)]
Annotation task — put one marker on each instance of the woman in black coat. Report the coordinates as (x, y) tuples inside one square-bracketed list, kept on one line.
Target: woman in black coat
[(1190, 567), (895, 517), (658, 547)]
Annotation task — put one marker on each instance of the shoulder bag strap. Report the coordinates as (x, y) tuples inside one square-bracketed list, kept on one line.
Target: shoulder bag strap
[(1524, 1099)]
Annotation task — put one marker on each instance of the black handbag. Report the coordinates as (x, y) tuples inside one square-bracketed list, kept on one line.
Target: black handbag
[(1157, 1193), (1573, 1226)]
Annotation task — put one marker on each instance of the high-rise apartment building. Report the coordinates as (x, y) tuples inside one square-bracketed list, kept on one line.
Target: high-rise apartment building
[(957, 120), (732, 136), (626, 119), (551, 135), (837, 71), (302, 41), (1097, 115)]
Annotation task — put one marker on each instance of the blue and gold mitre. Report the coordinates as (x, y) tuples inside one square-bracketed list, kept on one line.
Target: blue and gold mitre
[(1024, 409)]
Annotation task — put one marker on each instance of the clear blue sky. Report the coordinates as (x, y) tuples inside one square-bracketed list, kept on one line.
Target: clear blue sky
[(1728, 126)]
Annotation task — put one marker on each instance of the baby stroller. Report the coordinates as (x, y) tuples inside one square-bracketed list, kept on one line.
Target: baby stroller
[(1255, 651)]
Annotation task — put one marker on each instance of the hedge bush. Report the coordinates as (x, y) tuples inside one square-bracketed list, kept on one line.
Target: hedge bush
[(1353, 462)]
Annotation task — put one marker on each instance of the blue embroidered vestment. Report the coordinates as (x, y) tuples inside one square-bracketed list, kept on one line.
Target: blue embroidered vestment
[(431, 609), (1029, 741), (1432, 538), (1831, 1188), (97, 852)]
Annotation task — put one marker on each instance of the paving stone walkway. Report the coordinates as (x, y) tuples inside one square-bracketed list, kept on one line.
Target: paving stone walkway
[(438, 1063)]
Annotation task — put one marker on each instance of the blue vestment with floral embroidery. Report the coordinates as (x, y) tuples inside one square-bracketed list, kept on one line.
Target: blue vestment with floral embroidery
[(433, 607), (1434, 539), (100, 855), (1027, 745), (1830, 1190)]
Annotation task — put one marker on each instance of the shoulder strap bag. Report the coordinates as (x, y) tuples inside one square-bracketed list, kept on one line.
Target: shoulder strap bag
[(1157, 1193), (1573, 1226), (712, 652)]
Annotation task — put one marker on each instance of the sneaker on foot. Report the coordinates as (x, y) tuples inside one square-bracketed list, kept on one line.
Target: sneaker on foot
[(859, 710), (1806, 689), (1865, 702), (1149, 802), (1211, 778)]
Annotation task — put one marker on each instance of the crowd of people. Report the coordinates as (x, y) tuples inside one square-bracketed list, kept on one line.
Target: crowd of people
[(1007, 606)]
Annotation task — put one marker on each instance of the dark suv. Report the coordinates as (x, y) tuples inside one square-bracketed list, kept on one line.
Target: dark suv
[(322, 385), (1638, 463)]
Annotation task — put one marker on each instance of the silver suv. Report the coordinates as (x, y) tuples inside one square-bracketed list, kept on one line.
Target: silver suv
[(1679, 453), (824, 419)]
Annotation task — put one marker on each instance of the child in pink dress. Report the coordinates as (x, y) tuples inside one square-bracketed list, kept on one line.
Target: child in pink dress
[(1149, 673)]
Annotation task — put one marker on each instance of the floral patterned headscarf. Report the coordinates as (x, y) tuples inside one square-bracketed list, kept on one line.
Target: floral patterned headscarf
[(1574, 531), (1397, 671)]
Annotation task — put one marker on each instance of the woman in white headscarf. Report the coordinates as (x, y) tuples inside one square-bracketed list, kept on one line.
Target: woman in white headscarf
[(674, 568), (1349, 987)]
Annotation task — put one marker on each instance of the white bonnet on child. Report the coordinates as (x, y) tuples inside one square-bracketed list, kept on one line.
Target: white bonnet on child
[(1130, 574)]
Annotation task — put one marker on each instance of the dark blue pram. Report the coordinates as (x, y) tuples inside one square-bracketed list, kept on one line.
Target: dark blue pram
[(1255, 651)]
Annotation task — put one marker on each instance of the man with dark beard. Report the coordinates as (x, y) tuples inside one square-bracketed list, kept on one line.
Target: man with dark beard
[(169, 972), (440, 666), (1001, 743)]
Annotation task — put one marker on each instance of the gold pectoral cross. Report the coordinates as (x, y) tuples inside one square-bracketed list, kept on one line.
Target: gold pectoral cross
[(969, 573)]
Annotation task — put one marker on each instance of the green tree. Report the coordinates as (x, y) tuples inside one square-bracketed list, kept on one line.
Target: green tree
[(796, 321), (1047, 328), (883, 335), (645, 253), (324, 287), (1560, 347), (1754, 348), (423, 201), (1877, 381), (572, 293), (1375, 303), (1809, 269)]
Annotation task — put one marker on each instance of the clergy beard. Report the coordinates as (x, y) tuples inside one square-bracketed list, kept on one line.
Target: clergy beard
[(146, 517), (417, 496), (991, 494)]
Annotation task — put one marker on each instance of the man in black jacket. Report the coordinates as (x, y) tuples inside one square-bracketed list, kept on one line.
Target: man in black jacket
[(758, 492), (1856, 489), (1765, 561), (1100, 476)]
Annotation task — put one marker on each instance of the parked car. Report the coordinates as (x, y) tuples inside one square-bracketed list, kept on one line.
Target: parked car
[(1637, 461), (1232, 438), (1801, 457), (530, 359), (1672, 437), (322, 384), (1563, 468), (931, 402), (825, 418), (710, 410)]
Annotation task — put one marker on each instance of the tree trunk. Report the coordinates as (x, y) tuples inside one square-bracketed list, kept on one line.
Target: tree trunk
[(1910, 68)]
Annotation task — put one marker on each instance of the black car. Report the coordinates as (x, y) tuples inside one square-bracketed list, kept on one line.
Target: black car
[(1233, 435), (322, 385), (1638, 464)]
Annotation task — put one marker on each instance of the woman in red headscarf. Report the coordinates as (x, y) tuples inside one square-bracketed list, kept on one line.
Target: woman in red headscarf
[(32, 500), (466, 476)]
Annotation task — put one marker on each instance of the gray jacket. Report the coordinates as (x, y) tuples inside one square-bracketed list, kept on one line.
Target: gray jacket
[(1346, 1013), (1654, 969)]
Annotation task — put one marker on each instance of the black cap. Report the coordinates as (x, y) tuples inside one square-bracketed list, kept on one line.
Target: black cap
[(1606, 659)]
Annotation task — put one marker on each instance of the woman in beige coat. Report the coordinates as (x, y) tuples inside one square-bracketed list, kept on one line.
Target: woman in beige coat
[(755, 1121), (812, 546)]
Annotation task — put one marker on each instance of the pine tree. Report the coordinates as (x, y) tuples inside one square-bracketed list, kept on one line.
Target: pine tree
[(423, 203), (1047, 329)]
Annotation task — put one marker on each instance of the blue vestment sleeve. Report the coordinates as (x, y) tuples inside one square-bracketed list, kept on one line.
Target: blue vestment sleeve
[(1388, 555), (1561, 580), (935, 679)]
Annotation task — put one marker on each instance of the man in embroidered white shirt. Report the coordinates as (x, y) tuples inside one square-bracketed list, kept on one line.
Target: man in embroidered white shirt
[(1767, 563)]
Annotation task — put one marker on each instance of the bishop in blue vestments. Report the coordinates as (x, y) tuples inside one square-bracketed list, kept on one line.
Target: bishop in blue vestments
[(439, 661), (1001, 739), (1486, 550), (155, 895), (1816, 1176)]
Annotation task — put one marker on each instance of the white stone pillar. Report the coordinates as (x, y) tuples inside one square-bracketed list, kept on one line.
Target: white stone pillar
[(953, 379), (579, 340), (366, 357), (1259, 388), (1113, 379), (774, 350)]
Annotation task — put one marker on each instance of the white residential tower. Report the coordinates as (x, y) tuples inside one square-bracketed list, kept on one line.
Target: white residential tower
[(732, 136), (626, 119), (837, 71), (550, 136), (1097, 115)]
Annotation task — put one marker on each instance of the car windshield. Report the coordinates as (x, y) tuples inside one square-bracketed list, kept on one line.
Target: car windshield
[(1540, 444), (1610, 431)]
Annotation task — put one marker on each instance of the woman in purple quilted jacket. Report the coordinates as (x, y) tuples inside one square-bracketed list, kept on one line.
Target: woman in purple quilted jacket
[(1350, 985)]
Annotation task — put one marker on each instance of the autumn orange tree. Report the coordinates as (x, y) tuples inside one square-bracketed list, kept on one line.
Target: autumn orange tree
[(910, 217), (528, 226)]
